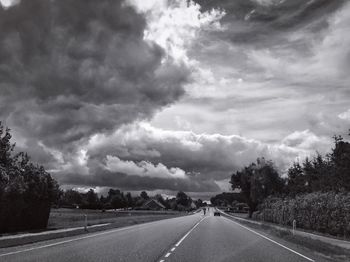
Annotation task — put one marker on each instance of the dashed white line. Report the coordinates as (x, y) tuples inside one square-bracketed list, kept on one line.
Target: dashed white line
[(189, 232), (182, 239), (269, 239)]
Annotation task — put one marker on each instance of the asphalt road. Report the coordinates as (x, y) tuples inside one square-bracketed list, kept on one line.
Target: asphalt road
[(190, 238)]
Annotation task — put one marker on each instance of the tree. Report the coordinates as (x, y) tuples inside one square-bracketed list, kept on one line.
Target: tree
[(199, 203), (26, 190), (71, 198), (144, 195), (225, 199), (329, 173), (129, 200), (92, 200), (296, 181), (340, 156), (182, 199), (256, 182)]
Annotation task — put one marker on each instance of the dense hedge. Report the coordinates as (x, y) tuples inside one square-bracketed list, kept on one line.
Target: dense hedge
[(323, 212), (26, 190)]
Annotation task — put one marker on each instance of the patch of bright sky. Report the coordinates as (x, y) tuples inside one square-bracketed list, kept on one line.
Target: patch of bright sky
[(8, 3)]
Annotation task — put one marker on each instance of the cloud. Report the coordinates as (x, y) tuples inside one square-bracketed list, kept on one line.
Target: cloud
[(174, 25), (345, 115), (69, 70), (176, 159), (172, 95), (282, 70), (142, 168), (306, 140), (109, 179), (8, 3)]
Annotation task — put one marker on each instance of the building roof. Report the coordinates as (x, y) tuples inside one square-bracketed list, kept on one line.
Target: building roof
[(153, 203)]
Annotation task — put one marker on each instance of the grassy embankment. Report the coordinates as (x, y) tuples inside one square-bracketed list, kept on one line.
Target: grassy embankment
[(68, 218)]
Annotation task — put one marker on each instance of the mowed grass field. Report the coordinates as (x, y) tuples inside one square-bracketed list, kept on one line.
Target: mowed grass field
[(68, 218)]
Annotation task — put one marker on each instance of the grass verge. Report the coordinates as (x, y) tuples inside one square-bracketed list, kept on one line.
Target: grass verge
[(328, 251), (74, 221)]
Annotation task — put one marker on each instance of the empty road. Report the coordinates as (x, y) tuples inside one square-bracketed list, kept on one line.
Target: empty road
[(191, 238)]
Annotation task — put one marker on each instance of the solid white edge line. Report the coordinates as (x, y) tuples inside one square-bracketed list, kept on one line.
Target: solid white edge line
[(269, 239), (81, 238), (189, 232), (61, 242)]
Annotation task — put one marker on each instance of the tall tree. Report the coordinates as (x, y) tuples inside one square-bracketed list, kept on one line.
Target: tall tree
[(182, 199), (256, 182), (144, 195), (341, 158), (296, 181), (130, 201)]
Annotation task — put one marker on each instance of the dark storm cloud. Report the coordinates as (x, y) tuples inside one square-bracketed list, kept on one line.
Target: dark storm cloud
[(205, 159), (105, 178), (75, 73), (72, 68)]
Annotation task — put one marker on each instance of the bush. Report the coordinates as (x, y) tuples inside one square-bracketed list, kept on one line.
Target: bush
[(26, 190), (323, 212)]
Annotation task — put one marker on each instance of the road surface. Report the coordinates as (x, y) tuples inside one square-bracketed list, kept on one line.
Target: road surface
[(191, 238)]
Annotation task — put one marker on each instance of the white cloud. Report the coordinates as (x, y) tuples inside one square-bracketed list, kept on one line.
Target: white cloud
[(269, 2), (345, 115), (209, 156), (143, 168), (306, 141), (8, 3), (174, 24)]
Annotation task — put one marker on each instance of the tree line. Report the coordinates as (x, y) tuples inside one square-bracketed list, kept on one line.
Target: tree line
[(329, 173), (310, 192), (116, 199), (227, 199)]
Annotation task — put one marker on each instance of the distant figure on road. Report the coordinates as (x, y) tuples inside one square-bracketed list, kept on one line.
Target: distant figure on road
[(204, 210)]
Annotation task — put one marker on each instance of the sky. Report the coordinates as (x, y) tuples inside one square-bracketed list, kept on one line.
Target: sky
[(169, 95)]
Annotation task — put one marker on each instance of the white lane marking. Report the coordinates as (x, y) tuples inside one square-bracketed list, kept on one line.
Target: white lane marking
[(182, 239), (189, 232), (269, 239), (85, 237)]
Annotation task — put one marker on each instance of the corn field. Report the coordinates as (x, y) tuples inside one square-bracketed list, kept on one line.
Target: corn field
[(322, 212)]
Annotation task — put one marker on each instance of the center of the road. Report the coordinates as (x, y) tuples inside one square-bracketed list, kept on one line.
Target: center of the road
[(180, 241)]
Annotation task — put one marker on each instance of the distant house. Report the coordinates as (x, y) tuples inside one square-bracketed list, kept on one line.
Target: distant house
[(153, 204)]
